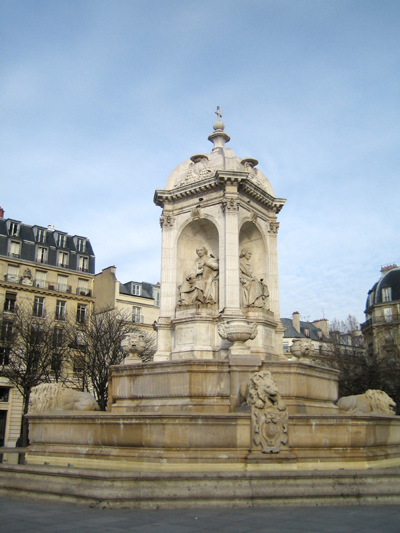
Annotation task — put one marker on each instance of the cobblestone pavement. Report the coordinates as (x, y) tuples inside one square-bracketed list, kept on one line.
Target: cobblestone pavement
[(21, 515)]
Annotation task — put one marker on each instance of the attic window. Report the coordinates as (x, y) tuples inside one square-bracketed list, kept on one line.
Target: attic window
[(306, 332), (41, 235), (387, 294), (319, 333), (81, 245), (13, 229), (136, 289)]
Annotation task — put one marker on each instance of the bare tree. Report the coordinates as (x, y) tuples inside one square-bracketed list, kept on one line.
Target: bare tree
[(35, 350), (98, 347)]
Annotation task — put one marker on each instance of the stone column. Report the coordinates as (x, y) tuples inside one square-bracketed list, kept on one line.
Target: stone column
[(231, 250), (168, 288)]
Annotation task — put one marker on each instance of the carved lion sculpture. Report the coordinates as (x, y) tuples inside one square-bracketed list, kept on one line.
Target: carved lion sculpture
[(56, 397), (372, 402), (269, 416)]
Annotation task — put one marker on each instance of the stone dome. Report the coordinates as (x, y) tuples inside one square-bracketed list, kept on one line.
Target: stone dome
[(202, 166), (389, 280)]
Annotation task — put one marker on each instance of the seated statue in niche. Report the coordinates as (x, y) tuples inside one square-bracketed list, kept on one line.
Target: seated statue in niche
[(254, 293), (200, 285)]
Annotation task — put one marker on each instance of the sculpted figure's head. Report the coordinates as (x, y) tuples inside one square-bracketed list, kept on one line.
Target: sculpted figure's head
[(201, 250), (246, 252)]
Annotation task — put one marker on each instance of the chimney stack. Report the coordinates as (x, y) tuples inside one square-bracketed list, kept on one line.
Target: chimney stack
[(296, 321), (1, 212)]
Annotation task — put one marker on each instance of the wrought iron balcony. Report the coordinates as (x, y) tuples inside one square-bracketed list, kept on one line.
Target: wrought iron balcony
[(83, 291)]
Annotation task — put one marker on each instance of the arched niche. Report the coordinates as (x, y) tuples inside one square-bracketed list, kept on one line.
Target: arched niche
[(250, 237), (200, 232)]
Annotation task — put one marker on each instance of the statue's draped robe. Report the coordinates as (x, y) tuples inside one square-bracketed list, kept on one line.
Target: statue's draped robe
[(199, 286)]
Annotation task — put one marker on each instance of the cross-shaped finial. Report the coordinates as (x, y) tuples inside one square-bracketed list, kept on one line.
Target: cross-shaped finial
[(218, 113)]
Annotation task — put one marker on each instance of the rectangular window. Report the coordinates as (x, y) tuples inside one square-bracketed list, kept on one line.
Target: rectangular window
[(136, 314), (15, 249), (156, 295), (13, 229), (83, 287), (55, 362), (6, 331), (63, 259), (62, 283), (387, 294), (37, 334), (61, 308), (62, 241), (79, 363), (13, 273), (388, 313), (41, 235), (81, 245), (4, 394), (9, 302), (4, 356), (136, 289), (81, 313), (41, 255), (40, 279), (38, 306), (58, 337), (286, 347), (371, 299), (83, 263)]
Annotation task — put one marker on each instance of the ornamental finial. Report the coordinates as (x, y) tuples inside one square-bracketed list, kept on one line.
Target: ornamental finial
[(218, 113)]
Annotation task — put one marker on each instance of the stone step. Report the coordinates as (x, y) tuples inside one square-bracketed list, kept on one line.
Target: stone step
[(152, 490)]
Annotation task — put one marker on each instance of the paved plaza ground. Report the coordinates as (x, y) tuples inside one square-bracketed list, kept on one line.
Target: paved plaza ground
[(21, 515)]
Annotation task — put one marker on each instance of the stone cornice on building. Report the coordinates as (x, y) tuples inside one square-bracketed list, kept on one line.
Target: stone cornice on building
[(218, 181)]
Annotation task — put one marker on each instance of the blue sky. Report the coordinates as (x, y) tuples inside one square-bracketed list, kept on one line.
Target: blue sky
[(101, 100)]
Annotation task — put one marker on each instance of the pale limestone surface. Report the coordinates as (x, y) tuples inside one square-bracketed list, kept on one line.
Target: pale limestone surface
[(269, 414), (223, 204), (186, 411), (56, 397), (371, 402)]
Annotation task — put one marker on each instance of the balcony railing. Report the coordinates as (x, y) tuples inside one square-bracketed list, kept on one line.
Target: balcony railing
[(82, 291), (38, 283), (138, 319), (380, 320)]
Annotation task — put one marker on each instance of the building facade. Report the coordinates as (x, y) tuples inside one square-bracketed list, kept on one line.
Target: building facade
[(381, 329), (48, 271), (316, 332), (139, 302)]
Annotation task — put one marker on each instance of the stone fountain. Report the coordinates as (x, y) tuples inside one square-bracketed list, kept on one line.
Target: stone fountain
[(220, 395)]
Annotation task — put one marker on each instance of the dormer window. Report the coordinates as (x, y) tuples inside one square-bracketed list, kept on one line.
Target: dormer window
[(81, 245), (40, 235), (83, 263), (387, 294), (306, 332), (61, 240), (371, 299), (156, 296), (136, 289), (41, 256), (15, 248), (13, 229), (63, 259)]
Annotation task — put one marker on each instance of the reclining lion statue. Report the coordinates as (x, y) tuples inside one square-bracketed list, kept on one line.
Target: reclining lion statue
[(372, 402), (56, 397)]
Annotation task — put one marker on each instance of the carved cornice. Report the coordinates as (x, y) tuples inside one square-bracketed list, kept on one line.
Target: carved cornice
[(217, 181), (275, 204)]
